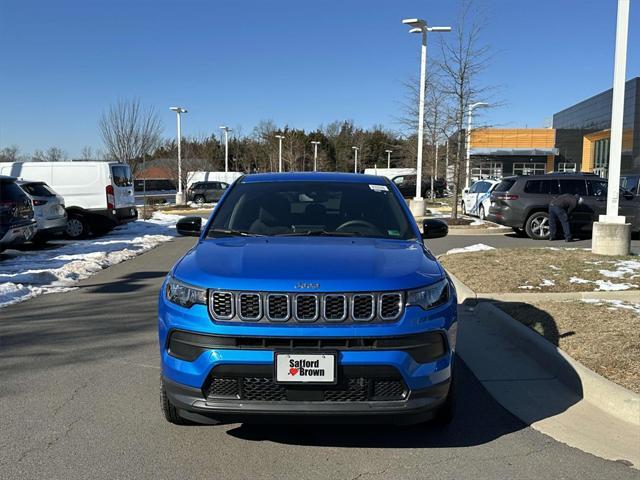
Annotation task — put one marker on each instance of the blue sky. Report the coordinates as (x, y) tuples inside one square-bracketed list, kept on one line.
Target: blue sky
[(302, 63)]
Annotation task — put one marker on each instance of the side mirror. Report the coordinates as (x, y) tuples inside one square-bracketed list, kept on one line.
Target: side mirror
[(466, 190), (432, 228), (189, 226)]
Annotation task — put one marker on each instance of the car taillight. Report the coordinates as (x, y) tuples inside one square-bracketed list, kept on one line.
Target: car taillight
[(111, 198), (38, 203), (505, 196)]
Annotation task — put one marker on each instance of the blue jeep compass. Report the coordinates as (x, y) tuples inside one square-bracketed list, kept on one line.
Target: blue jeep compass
[(308, 294)]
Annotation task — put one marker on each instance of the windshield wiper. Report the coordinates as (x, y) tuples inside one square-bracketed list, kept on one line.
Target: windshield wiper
[(319, 233), (225, 231)]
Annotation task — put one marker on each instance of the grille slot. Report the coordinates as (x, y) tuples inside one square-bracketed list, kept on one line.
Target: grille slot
[(389, 390), (363, 307), (306, 308), (335, 308), (262, 389), (224, 388), (390, 306), (249, 306), (355, 390), (278, 307), (221, 305)]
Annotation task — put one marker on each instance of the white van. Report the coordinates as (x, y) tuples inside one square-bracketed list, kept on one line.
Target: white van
[(98, 196)]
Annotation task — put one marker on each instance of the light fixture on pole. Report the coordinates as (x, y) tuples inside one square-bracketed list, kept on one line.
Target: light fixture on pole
[(388, 152), (355, 164), (280, 138), (315, 154), (611, 233), (468, 141), (226, 131), (420, 26), (179, 111)]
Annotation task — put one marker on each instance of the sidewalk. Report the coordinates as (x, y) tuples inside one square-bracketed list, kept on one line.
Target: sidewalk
[(544, 387)]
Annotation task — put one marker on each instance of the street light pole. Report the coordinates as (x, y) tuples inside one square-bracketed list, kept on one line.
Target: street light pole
[(611, 233), (420, 26), (179, 111), (280, 137), (468, 141), (355, 168), (388, 152), (226, 147), (315, 155)]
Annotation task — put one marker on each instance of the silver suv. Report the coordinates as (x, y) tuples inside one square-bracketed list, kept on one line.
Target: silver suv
[(48, 207)]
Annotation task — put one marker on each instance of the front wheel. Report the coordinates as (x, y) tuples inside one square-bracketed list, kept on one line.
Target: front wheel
[(199, 199), (169, 410), (537, 226)]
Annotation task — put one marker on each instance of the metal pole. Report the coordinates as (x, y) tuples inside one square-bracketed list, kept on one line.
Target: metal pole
[(388, 160), (468, 140), (355, 168), (423, 79), (280, 153), (179, 158), (617, 111), (226, 150), (435, 174)]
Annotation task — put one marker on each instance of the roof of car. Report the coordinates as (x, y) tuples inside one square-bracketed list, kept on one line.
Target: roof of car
[(313, 177)]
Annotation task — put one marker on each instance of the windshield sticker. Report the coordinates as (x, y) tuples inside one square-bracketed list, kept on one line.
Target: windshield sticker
[(378, 188), (393, 233)]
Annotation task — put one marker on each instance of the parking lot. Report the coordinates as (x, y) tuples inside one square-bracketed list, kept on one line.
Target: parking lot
[(80, 400)]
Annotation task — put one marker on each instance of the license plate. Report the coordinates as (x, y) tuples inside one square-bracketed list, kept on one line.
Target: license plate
[(305, 368)]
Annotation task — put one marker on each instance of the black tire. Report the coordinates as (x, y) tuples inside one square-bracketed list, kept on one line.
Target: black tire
[(519, 232), (40, 240), (446, 411), (537, 226), (168, 409), (77, 227), (199, 199)]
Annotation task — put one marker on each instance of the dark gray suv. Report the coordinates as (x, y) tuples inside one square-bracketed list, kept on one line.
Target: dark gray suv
[(523, 203), (206, 192)]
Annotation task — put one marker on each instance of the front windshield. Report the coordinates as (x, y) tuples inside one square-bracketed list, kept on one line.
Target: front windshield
[(311, 208)]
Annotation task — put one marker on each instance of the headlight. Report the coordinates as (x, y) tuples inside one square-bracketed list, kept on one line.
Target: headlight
[(431, 296), (183, 294)]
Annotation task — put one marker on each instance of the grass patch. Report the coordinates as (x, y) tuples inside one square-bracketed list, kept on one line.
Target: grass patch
[(535, 270), (602, 335)]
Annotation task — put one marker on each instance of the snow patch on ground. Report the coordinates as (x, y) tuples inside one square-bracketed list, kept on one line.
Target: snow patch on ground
[(614, 304), (478, 247), (622, 268), (59, 269), (547, 283), (578, 280), (608, 286), (554, 267)]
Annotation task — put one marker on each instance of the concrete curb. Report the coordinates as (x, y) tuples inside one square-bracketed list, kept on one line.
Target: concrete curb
[(605, 395), (559, 296)]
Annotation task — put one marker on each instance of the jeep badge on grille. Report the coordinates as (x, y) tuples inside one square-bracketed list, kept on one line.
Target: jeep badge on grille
[(307, 286)]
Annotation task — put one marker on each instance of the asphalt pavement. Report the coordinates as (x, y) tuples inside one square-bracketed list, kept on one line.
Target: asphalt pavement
[(79, 399)]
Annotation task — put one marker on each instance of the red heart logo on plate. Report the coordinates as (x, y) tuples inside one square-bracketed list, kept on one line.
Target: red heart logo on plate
[(293, 371)]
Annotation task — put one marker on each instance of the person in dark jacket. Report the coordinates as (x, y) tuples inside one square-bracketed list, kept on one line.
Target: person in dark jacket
[(559, 209)]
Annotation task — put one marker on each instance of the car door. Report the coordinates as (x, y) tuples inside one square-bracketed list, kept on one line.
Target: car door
[(583, 215), (122, 186), (470, 198)]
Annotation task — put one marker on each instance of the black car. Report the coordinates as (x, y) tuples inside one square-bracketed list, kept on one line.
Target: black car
[(206, 192), (17, 222), (523, 203), (407, 186)]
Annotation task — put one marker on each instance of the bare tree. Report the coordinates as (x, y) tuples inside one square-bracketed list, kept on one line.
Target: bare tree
[(130, 132), (10, 154), (87, 153), (464, 58), (53, 154)]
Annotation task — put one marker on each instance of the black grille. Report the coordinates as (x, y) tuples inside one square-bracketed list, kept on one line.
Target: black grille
[(363, 307), (222, 304), (250, 307), (390, 305), (278, 307), (306, 307), (335, 307), (263, 389), (389, 390), (224, 388)]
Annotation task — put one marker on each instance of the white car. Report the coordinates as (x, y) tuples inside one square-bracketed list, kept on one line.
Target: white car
[(477, 198)]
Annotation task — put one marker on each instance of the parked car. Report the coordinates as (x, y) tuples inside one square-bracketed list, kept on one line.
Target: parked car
[(523, 202), (17, 222), (206, 192), (48, 206), (631, 183), (407, 185), (98, 195), (308, 294), (476, 199)]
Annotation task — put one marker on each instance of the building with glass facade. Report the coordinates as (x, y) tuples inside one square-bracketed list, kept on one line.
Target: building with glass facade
[(583, 132)]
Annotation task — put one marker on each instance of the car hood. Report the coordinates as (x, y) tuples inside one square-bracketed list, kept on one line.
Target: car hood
[(326, 264)]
